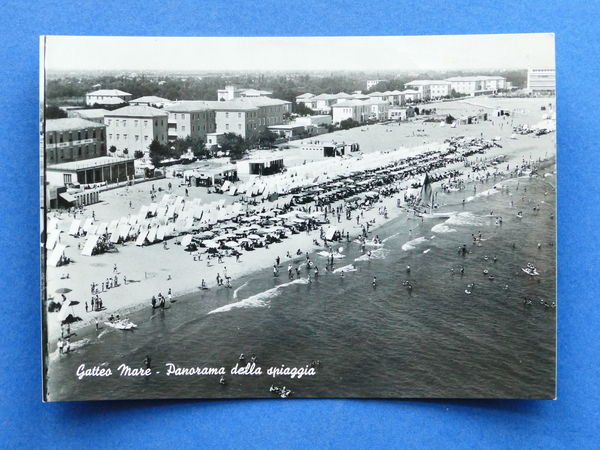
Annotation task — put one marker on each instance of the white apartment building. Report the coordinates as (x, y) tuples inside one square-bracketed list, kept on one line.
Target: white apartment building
[(248, 116), (190, 118), (477, 85), (151, 100), (107, 97), (431, 89), (541, 81), (135, 127), (231, 92), (357, 110)]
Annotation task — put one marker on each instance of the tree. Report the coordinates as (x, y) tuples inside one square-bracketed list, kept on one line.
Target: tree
[(450, 119), (158, 152), (235, 145), (302, 109), (138, 154), (125, 151), (266, 138), (54, 112), (112, 149), (348, 123)]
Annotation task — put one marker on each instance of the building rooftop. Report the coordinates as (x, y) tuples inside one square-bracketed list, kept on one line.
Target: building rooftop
[(475, 78), (254, 92), (88, 163), (72, 123), (109, 92), (307, 95), (95, 113), (190, 106), (246, 103), (137, 111), (426, 82), (150, 99)]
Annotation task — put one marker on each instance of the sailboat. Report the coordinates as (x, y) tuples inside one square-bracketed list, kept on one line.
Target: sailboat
[(423, 207)]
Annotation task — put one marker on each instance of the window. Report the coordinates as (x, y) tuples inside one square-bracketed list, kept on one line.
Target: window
[(182, 127), (227, 115), (79, 135), (145, 123), (239, 126), (124, 136), (67, 178), (135, 123), (124, 123), (118, 136), (109, 122), (60, 138), (146, 138), (50, 139), (110, 136), (156, 123), (137, 137), (70, 136), (239, 115), (79, 151), (227, 126)]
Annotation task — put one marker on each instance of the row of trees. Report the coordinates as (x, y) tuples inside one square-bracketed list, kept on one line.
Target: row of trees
[(232, 144)]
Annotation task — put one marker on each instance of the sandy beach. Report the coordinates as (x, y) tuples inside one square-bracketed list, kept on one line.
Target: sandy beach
[(154, 269)]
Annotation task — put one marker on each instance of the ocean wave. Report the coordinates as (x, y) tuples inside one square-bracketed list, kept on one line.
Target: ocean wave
[(237, 289), (348, 268), (442, 228), (325, 254), (426, 251), (259, 300), (391, 237), (411, 245), (379, 253), (465, 219), (485, 193)]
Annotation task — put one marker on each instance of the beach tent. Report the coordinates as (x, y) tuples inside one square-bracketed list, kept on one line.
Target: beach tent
[(141, 238), (102, 228), (52, 224), (57, 253), (165, 200), (74, 228), (52, 239), (161, 233), (89, 245), (143, 211), (186, 240), (330, 232), (152, 208), (113, 226), (123, 230)]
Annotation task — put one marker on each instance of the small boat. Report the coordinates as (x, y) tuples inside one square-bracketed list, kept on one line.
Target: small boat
[(530, 271)]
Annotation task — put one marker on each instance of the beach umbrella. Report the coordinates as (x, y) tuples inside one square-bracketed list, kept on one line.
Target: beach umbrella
[(63, 291), (231, 244), (211, 244), (253, 236), (73, 303)]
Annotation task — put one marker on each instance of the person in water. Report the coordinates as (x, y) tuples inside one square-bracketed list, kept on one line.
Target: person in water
[(374, 282), (147, 362)]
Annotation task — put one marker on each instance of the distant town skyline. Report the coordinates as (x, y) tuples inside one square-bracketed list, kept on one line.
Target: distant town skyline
[(300, 54)]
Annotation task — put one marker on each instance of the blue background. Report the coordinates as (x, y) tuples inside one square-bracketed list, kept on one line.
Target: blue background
[(571, 421)]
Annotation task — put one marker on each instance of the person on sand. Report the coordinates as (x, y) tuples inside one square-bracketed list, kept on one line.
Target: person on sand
[(153, 301), (170, 296), (203, 284)]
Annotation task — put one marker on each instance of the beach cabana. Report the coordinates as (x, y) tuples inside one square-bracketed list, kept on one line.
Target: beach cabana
[(90, 245), (57, 254), (141, 238), (75, 227)]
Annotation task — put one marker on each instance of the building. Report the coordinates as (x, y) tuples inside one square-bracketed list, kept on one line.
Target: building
[(151, 100), (431, 89), (101, 170), (73, 139), (410, 96), (378, 109), (213, 140), (357, 110), (318, 120), (231, 93), (372, 83), (541, 81), (135, 127), (248, 116), (330, 149), (209, 176), (190, 118), (107, 97), (477, 85), (94, 115), (291, 130), (400, 113), (261, 166)]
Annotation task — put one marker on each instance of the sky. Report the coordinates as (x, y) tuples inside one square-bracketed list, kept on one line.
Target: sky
[(379, 53)]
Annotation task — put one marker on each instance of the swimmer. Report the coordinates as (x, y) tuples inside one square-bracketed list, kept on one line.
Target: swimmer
[(374, 282), (407, 269)]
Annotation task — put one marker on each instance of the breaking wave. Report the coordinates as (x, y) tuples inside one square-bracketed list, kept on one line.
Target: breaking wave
[(379, 253), (411, 245), (259, 300), (442, 228), (348, 268), (465, 219)]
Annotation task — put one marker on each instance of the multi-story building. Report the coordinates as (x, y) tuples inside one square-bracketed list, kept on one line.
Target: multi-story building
[(477, 85), (190, 118), (250, 115), (135, 127), (541, 81), (357, 110), (107, 97), (73, 139), (410, 96), (372, 83), (431, 89)]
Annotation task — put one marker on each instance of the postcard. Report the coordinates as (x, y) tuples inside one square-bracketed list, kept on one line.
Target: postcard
[(298, 217)]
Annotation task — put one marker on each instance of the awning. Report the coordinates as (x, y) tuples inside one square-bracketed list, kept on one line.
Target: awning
[(67, 197)]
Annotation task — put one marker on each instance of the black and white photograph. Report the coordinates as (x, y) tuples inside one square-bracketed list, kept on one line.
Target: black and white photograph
[(298, 217)]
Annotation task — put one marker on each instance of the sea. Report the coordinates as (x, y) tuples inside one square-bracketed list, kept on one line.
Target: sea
[(452, 335)]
